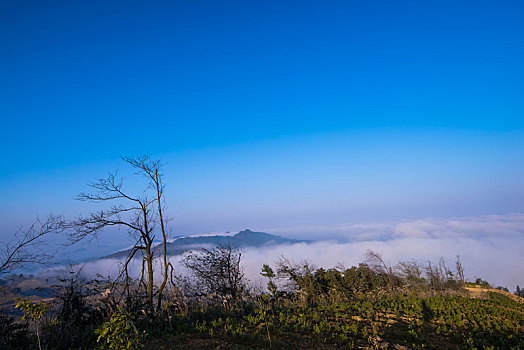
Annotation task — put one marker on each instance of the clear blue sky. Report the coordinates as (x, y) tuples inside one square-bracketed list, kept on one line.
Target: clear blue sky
[(269, 113)]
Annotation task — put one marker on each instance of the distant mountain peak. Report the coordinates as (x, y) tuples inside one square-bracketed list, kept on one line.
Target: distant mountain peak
[(242, 239)]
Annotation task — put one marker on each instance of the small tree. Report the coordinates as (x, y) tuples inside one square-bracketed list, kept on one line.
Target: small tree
[(375, 261), (269, 274), (33, 312), (434, 276), (482, 283), (307, 279), (218, 271), (460, 271), (411, 272)]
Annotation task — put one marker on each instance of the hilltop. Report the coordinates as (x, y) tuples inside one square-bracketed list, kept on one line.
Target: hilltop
[(242, 239)]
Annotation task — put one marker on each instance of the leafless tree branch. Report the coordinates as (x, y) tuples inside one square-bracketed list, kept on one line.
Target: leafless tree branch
[(28, 246)]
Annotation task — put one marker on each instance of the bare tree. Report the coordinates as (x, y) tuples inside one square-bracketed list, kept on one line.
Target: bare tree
[(436, 275), (142, 215), (460, 271), (446, 272), (151, 169), (218, 272), (29, 245), (411, 271), (378, 265)]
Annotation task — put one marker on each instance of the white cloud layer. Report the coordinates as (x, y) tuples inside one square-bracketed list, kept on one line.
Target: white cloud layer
[(511, 225), (490, 246)]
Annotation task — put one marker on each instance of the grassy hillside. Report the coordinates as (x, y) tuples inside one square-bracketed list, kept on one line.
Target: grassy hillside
[(386, 322)]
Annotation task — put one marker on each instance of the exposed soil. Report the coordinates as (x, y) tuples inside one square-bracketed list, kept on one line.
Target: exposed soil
[(479, 292)]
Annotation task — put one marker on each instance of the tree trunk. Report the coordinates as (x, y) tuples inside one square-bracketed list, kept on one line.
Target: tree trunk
[(150, 282)]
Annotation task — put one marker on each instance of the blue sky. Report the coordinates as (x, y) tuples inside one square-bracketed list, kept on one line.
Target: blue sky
[(268, 113)]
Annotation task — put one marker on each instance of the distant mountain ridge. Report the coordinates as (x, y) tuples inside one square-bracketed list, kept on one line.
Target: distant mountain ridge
[(242, 239)]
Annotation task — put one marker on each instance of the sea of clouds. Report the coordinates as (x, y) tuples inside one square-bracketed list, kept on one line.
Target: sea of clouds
[(490, 247)]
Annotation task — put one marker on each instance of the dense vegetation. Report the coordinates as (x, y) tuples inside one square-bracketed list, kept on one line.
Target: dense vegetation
[(387, 321), (367, 306)]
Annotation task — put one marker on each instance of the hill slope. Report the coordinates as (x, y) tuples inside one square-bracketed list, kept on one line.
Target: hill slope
[(242, 239)]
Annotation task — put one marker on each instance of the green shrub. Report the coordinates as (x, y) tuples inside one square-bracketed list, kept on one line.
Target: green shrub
[(33, 312), (120, 332)]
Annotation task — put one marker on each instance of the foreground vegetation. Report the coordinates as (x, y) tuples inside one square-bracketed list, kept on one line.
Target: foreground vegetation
[(370, 306), (386, 322)]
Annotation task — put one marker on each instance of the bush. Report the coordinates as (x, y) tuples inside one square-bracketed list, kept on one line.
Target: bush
[(120, 332), (218, 273)]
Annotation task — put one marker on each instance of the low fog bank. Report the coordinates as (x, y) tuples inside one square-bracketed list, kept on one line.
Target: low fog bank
[(490, 247)]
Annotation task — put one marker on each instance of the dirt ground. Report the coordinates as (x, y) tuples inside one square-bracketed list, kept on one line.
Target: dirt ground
[(478, 292)]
